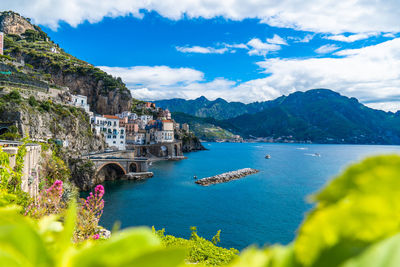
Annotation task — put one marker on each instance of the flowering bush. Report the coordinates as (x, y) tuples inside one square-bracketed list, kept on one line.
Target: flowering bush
[(48, 202), (89, 215)]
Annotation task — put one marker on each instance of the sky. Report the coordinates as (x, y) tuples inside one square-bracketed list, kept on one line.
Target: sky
[(243, 51)]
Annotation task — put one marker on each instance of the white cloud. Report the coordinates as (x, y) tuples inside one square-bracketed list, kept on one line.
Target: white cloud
[(255, 47), (259, 48), (202, 50), (277, 40), (325, 49), (351, 38), (329, 16), (307, 38), (240, 46), (154, 77), (370, 74), (389, 35)]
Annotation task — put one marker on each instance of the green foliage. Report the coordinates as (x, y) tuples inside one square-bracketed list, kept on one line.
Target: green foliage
[(32, 101), (47, 242), (216, 239), (45, 106), (355, 210), (200, 250), (13, 96), (10, 180), (53, 167), (11, 134)]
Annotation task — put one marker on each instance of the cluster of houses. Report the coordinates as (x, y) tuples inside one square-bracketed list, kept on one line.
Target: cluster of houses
[(128, 128)]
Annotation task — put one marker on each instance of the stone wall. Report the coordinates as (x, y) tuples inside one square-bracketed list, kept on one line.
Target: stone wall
[(30, 172)]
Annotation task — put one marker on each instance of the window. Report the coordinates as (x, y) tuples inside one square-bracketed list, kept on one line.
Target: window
[(109, 136), (122, 132), (114, 137), (122, 142), (114, 142), (121, 137)]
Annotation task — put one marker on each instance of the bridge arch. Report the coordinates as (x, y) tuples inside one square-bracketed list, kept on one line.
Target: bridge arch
[(133, 167), (110, 171)]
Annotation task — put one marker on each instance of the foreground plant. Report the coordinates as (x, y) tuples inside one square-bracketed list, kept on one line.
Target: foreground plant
[(355, 223), (49, 202), (89, 215)]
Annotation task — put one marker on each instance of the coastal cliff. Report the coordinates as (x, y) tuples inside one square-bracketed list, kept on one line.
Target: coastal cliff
[(27, 43), (43, 120), (190, 143)]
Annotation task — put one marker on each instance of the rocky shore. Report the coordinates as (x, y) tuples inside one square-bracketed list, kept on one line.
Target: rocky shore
[(226, 177), (137, 176)]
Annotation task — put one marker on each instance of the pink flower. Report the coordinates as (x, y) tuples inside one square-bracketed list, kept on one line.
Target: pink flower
[(96, 236), (99, 190)]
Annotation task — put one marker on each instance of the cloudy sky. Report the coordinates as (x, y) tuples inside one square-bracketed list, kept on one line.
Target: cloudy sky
[(238, 50)]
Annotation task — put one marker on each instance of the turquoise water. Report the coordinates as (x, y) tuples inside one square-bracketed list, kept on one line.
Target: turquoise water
[(259, 209)]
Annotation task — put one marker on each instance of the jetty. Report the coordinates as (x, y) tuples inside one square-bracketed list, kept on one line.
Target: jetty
[(226, 177)]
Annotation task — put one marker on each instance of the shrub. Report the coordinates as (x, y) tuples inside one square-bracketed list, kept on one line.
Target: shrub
[(45, 106), (53, 167), (32, 101), (200, 250), (89, 215), (13, 96), (355, 223), (49, 201)]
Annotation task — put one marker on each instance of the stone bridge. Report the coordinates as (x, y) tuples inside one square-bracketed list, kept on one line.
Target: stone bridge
[(116, 164)]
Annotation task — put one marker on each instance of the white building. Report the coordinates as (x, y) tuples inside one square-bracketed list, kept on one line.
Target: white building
[(140, 138), (166, 135), (114, 134), (80, 101), (127, 114), (146, 118), (185, 127), (98, 124)]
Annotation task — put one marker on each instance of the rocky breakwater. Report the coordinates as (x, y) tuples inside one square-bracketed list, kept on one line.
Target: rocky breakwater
[(137, 176), (226, 177)]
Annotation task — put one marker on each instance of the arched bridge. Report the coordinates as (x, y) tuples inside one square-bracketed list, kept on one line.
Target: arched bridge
[(114, 165)]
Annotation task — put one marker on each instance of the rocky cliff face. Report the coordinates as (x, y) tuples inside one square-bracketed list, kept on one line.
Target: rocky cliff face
[(191, 143), (12, 23), (58, 123), (100, 99), (28, 43)]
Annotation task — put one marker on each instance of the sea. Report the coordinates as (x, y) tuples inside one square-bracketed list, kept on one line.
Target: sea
[(260, 209)]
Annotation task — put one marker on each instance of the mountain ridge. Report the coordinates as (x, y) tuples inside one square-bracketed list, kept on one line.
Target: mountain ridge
[(317, 115)]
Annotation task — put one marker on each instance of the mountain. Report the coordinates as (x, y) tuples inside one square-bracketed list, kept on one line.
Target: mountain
[(208, 129), (28, 45), (319, 115), (218, 109)]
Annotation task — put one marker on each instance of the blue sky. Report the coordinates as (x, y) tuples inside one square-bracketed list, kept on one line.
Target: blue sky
[(238, 51)]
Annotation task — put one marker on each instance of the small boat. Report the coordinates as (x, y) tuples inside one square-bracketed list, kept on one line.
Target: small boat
[(268, 156), (195, 177), (317, 155)]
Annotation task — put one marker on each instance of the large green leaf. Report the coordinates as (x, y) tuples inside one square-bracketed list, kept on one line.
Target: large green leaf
[(356, 209), (383, 254), (20, 243), (125, 248)]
